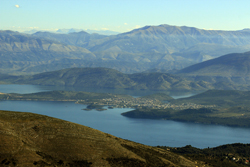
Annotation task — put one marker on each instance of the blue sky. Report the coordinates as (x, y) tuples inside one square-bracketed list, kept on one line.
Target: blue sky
[(123, 15)]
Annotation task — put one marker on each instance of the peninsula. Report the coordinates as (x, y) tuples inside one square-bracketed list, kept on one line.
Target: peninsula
[(223, 107)]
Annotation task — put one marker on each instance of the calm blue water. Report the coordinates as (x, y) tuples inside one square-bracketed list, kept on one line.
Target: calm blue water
[(150, 132)]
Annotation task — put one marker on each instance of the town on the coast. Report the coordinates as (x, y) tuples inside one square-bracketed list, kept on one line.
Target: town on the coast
[(138, 103)]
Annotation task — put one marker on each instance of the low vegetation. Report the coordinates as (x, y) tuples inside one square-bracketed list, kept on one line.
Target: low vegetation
[(108, 78), (28, 139), (60, 96), (230, 155), (228, 117), (224, 107)]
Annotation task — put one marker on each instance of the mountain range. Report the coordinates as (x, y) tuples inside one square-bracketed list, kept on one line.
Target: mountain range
[(164, 47), (228, 72), (71, 30)]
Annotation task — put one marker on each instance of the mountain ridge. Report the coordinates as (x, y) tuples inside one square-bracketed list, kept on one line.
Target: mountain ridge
[(108, 78), (166, 47), (230, 69), (233, 60)]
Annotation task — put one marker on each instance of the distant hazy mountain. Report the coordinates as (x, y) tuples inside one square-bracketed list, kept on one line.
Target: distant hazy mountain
[(59, 31), (162, 47), (170, 47), (82, 38), (19, 51), (30, 32), (67, 31), (102, 32)]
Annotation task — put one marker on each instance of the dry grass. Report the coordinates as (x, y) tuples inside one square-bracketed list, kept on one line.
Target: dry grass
[(28, 139)]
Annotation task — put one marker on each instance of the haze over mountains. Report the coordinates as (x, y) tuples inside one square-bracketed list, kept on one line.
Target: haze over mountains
[(67, 31), (230, 72), (183, 80), (163, 47)]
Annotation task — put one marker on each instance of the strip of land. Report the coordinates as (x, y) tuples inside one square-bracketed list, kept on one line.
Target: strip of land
[(221, 107)]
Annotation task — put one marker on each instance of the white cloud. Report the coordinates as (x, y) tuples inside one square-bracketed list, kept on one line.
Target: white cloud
[(137, 26), (125, 23), (208, 29), (17, 6), (33, 27), (105, 29)]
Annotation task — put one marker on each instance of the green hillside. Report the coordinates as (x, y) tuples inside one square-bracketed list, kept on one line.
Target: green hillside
[(108, 78), (61, 96), (234, 65), (229, 155), (221, 98), (223, 107), (230, 71)]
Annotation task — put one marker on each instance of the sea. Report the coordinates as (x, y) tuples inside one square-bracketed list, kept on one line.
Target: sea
[(145, 131)]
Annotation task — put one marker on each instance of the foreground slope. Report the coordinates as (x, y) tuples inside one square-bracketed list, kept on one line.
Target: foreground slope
[(35, 140), (229, 155)]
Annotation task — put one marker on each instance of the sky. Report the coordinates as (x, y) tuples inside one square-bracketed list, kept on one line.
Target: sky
[(122, 15)]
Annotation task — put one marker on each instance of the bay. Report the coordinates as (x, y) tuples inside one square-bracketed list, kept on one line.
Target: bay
[(145, 131)]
